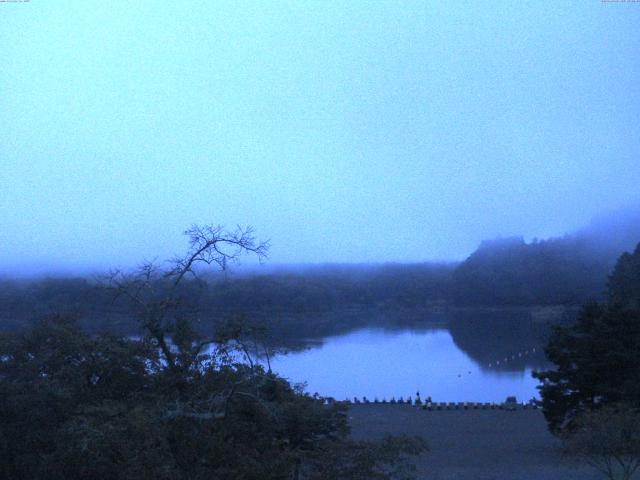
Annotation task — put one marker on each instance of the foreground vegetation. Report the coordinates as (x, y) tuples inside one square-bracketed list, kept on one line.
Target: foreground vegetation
[(77, 406)]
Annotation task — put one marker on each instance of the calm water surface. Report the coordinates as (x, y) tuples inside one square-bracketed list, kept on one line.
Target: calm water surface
[(383, 363)]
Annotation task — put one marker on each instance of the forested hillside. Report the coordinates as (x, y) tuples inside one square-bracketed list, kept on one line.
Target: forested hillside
[(568, 270)]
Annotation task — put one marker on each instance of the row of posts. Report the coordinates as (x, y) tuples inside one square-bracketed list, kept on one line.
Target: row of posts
[(428, 404)]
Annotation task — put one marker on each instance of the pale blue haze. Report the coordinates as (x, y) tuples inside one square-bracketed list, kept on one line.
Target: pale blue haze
[(343, 131)]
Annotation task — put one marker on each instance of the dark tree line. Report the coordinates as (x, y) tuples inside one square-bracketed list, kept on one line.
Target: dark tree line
[(563, 271), (570, 270), (502, 273), (385, 286)]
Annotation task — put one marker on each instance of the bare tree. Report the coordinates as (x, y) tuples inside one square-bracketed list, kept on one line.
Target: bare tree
[(215, 246), (609, 440), (152, 289)]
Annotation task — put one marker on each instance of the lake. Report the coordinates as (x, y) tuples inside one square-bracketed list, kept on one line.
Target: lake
[(472, 358), (462, 355)]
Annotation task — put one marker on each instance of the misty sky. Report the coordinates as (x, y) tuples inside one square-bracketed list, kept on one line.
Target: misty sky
[(343, 131)]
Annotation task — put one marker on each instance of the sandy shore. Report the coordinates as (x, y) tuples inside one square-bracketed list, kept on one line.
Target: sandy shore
[(474, 444)]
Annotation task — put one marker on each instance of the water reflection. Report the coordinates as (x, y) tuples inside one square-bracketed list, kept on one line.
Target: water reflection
[(470, 358), (506, 340), (460, 355)]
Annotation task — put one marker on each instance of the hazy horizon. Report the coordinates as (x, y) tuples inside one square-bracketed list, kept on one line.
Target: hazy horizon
[(602, 228), (391, 133)]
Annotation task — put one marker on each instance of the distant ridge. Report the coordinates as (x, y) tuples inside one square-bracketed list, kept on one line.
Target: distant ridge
[(571, 269)]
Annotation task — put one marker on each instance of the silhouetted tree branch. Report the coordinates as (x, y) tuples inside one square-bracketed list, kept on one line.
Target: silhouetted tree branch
[(153, 290)]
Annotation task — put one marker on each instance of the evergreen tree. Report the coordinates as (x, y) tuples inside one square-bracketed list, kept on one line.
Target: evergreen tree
[(597, 359)]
